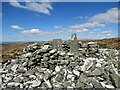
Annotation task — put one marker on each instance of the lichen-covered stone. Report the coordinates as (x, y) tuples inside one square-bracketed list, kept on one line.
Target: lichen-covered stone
[(115, 79)]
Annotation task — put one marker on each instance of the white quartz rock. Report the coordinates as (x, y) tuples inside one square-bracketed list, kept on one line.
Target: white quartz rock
[(13, 84), (76, 72), (45, 46), (69, 54), (3, 72), (27, 55), (106, 86), (48, 83), (87, 64), (62, 53), (7, 79), (32, 76), (57, 69), (21, 85), (14, 67), (28, 82), (92, 42), (36, 83), (69, 76), (53, 51)]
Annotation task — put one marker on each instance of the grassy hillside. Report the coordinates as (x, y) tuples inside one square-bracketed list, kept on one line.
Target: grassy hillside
[(112, 43), (10, 51)]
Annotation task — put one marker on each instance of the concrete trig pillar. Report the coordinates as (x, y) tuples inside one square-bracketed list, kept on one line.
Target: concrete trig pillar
[(74, 45)]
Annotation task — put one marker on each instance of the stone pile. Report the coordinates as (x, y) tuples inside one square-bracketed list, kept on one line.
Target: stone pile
[(41, 66), (89, 49)]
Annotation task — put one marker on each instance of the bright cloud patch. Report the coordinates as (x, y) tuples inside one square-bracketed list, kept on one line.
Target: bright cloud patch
[(87, 25), (83, 30), (111, 16), (97, 29), (33, 6), (17, 27), (80, 17), (107, 32), (35, 31), (58, 27)]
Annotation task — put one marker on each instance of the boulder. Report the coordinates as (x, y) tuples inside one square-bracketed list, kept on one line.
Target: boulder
[(114, 79)]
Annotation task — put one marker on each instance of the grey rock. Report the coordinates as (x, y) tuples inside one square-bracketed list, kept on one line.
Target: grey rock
[(96, 72), (26, 78), (115, 78), (61, 53), (17, 80), (73, 64), (66, 83), (83, 78), (80, 85), (21, 70), (52, 66), (45, 58), (59, 78), (47, 75), (48, 83), (95, 83), (3, 72)]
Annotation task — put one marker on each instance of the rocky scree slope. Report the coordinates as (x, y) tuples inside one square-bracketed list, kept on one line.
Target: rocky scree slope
[(41, 66)]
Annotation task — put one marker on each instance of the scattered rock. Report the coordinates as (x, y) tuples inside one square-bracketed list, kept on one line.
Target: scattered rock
[(62, 65)]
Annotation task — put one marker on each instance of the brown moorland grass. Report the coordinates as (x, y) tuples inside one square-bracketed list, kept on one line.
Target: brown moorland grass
[(11, 51), (111, 43)]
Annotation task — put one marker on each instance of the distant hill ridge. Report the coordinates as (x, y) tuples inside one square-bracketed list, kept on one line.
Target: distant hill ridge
[(112, 43)]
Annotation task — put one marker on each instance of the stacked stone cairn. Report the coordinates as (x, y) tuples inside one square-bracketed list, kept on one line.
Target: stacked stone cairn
[(66, 65)]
